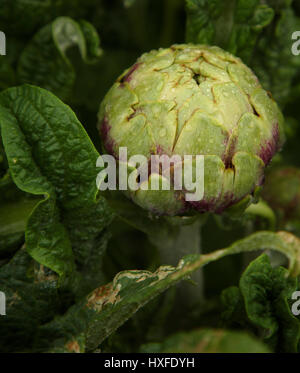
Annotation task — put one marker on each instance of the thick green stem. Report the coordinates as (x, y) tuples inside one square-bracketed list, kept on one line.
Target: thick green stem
[(173, 246)]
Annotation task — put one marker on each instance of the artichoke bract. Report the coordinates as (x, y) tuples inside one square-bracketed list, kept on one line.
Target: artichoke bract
[(194, 100)]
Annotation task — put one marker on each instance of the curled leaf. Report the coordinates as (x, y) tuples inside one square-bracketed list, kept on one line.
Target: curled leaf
[(44, 61)]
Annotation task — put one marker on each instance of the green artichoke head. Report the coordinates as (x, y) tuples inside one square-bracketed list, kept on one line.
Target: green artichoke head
[(194, 100)]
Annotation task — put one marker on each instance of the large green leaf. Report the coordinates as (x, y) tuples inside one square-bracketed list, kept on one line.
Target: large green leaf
[(49, 155), (93, 319)]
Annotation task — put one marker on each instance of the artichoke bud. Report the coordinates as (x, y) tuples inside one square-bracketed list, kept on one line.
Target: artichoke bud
[(194, 100), (282, 192)]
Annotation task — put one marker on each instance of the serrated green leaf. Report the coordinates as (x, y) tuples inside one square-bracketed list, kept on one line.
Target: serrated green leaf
[(233, 304), (266, 292), (274, 62), (263, 302), (232, 25), (249, 20), (201, 15)]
